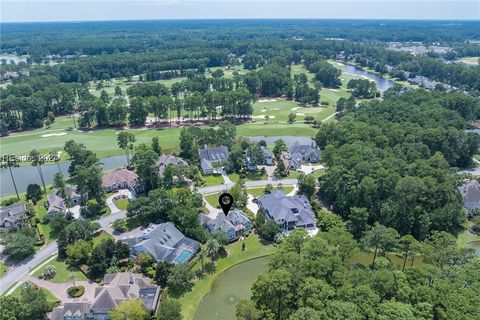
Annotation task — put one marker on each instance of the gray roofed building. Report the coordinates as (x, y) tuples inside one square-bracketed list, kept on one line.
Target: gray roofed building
[(470, 193), (169, 160), (56, 203), (210, 156), (235, 224), (122, 179), (164, 242), (117, 288), (288, 212), (11, 216), (302, 153)]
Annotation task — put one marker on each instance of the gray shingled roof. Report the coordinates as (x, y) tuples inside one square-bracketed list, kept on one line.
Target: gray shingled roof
[(470, 192), (12, 213), (167, 160), (298, 151), (213, 154), (290, 209)]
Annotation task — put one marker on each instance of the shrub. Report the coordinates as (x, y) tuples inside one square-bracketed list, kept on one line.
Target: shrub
[(9, 202), (49, 272), (76, 291), (120, 225), (325, 103)]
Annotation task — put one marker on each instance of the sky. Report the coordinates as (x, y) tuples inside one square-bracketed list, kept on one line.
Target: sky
[(85, 10)]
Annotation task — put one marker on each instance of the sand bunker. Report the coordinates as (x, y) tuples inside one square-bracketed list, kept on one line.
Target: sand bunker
[(296, 108), (53, 134), (300, 114), (263, 117), (267, 100)]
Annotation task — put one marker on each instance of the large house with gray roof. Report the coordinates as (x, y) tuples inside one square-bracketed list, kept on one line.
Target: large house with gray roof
[(288, 212), (57, 203), (11, 216), (470, 193), (164, 242), (234, 224), (122, 179), (302, 153), (117, 288), (210, 157)]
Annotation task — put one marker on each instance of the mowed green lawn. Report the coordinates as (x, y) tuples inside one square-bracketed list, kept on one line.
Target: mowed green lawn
[(470, 60), (63, 271), (278, 109)]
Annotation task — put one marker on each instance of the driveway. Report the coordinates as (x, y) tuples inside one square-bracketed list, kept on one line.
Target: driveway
[(59, 290), (251, 205), (248, 184), (307, 169), (123, 193)]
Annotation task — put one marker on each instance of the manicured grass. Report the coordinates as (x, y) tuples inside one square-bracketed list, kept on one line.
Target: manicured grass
[(121, 203), (234, 177), (63, 270), (51, 299), (253, 249), (100, 237), (45, 229), (470, 60), (3, 269), (466, 236), (258, 192), (213, 180), (276, 129), (212, 199)]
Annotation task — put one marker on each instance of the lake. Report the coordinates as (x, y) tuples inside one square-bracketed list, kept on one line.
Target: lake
[(230, 286), (383, 84), (26, 175)]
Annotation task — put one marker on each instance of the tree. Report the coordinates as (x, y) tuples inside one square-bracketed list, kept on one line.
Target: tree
[(118, 91), (71, 278), (169, 309), (59, 184), (131, 309), (212, 247), (291, 117), (58, 221), (79, 252), (379, 237), (357, 223), (407, 244), (307, 185), (326, 73), (268, 230), (126, 141), (162, 271), (180, 279), (34, 192), (239, 194), (156, 146), (138, 111), (245, 310), (34, 301), (11, 308), (20, 245), (37, 161), (9, 162), (146, 167), (279, 146)]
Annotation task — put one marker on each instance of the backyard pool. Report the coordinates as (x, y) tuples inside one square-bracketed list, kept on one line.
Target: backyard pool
[(184, 256)]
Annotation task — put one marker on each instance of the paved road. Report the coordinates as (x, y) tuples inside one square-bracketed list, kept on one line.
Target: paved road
[(248, 184), (20, 271)]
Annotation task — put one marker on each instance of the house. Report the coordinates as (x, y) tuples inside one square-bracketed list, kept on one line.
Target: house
[(168, 160), (11, 216), (122, 179), (164, 242), (302, 153), (56, 203), (267, 159), (267, 156), (288, 212), (117, 288), (210, 157), (470, 193), (235, 224)]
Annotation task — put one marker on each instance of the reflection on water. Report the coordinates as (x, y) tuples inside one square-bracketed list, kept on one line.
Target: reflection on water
[(231, 286), (382, 83), (26, 175)]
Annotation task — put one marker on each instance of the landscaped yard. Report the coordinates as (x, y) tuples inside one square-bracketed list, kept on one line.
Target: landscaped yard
[(51, 299), (121, 203), (253, 249), (100, 237), (63, 270), (466, 236), (45, 229), (212, 199), (213, 180), (258, 192)]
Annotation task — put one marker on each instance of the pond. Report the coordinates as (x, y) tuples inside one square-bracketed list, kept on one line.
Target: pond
[(383, 84), (475, 245), (231, 286), (26, 175)]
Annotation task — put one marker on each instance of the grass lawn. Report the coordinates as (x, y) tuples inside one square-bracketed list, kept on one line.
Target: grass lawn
[(51, 299), (276, 129), (45, 229), (466, 236), (212, 199), (121, 203), (213, 180), (234, 177), (100, 237), (63, 270), (470, 60), (258, 192), (3, 269), (254, 249), (366, 258)]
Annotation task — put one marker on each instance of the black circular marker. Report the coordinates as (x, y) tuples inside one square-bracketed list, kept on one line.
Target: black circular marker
[(226, 201)]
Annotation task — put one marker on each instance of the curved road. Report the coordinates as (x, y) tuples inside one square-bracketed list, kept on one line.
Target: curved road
[(16, 273)]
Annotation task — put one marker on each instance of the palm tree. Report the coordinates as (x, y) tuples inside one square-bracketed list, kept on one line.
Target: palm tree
[(201, 255), (211, 248), (55, 155), (9, 162), (37, 161), (72, 277)]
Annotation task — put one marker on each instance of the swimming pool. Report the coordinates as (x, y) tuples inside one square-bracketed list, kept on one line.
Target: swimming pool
[(184, 256)]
